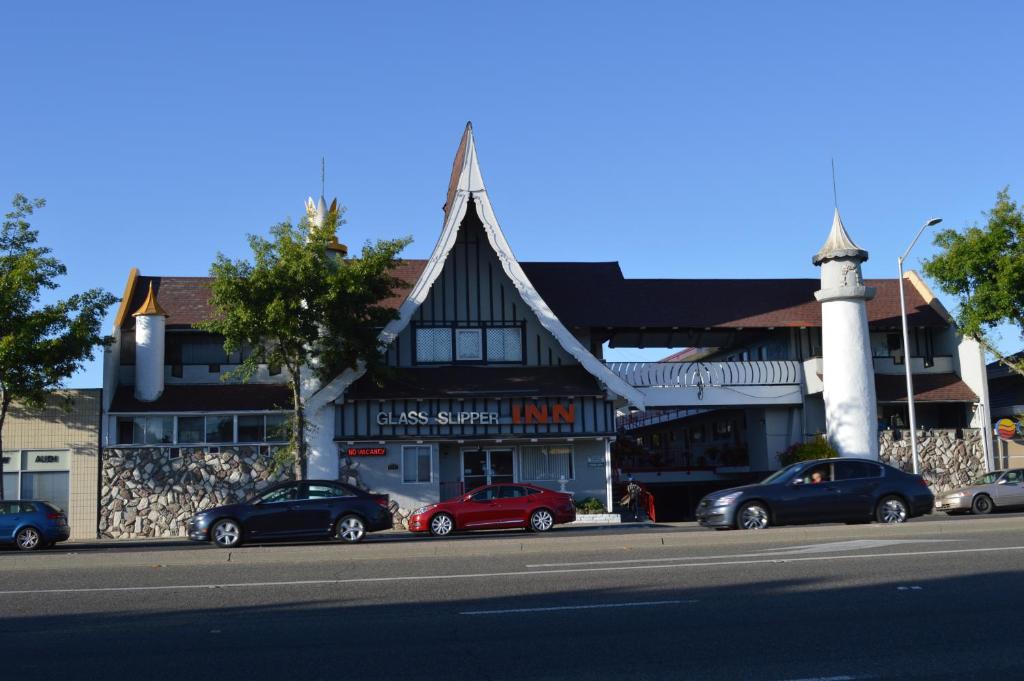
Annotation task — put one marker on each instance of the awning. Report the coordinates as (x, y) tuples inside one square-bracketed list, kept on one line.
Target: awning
[(891, 388)]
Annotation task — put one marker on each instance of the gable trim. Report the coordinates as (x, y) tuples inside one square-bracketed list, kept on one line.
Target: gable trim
[(468, 186)]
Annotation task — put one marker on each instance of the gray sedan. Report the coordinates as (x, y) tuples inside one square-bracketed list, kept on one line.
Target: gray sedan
[(998, 489)]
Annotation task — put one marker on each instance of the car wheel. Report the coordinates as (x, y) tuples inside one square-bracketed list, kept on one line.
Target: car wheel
[(441, 525), (982, 505), (892, 510), (28, 539), (351, 529), (227, 534), (752, 516), (541, 520)]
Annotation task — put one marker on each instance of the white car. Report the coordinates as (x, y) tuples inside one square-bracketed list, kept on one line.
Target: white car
[(998, 489)]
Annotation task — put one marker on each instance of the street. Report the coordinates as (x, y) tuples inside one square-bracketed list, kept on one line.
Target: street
[(932, 599)]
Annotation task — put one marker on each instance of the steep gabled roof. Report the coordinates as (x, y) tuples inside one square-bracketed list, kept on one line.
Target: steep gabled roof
[(465, 185)]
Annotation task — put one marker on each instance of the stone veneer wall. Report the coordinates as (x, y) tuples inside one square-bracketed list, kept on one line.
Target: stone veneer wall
[(145, 493), (946, 460), (348, 473)]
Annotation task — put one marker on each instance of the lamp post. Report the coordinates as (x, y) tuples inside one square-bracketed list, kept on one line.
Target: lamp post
[(906, 345)]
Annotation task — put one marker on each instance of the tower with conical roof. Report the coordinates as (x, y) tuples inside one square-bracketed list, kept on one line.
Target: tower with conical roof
[(848, 375), (150, 323)]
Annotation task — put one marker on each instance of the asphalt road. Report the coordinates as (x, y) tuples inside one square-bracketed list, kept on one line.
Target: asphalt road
[(927, 600)]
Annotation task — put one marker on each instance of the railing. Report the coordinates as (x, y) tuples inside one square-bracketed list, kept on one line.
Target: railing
[(707, 374)]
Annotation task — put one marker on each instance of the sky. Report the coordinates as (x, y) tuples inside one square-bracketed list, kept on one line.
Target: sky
[(680, 139)]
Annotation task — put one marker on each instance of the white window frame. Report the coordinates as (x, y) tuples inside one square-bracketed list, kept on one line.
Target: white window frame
[(479, 333), (430, 456), (418, 345)]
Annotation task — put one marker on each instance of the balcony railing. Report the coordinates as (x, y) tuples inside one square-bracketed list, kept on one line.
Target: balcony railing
[(707, 374)]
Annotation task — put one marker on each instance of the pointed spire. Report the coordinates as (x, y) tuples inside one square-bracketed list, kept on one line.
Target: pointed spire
[(466, 174), (839, 244), (150, 306), (317, 215)]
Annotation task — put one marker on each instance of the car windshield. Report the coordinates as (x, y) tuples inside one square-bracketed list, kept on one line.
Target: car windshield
[(781, 473), (988, 478)]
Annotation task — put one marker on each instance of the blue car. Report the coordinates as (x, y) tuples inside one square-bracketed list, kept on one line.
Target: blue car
[(32, 525)]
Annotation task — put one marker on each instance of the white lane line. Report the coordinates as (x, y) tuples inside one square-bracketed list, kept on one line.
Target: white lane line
[(515, 573), (766, 553), (572, 607)]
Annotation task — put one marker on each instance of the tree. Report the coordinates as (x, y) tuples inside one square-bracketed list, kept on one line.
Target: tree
[(301, 306), (40, 345), (984, 268)]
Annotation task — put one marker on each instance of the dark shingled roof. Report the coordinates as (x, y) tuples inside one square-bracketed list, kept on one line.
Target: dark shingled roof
[(595, 294), (215, 397), (927, 388), (475, 381)]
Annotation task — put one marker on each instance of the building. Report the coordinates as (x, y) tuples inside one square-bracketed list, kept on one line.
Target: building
[(53, 455), (1006, 390), (498, 375)]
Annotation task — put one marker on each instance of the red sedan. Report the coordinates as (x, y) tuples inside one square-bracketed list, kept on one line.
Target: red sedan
[(493, 507)]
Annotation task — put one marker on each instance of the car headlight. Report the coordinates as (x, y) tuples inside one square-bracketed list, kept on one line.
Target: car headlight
[(727, 499), (423, 509)]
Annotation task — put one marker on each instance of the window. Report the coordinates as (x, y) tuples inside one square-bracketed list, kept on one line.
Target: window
[(213, 429), (434, 344), (546, 463), (485, 494), (191, 429), (854, 470), (286, 493), (511, 492), (327, 492), (469, 345), (416, 463), (38, 474), (504, 344), (159, 430), (250, 428), (220, 428), (278, 428)]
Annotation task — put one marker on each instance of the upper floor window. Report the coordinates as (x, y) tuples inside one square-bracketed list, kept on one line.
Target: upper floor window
[(490, 344), (199, 430), (434, 344)]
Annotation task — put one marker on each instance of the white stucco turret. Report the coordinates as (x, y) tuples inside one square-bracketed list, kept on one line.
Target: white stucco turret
[(150, 323), (851, 411)]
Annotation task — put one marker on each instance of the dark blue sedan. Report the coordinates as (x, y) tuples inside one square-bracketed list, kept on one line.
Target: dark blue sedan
[(32, 525), (311, 509), (824, 491)]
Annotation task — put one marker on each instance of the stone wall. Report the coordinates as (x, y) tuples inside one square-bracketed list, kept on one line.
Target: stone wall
[(948, 458), (145, 493)]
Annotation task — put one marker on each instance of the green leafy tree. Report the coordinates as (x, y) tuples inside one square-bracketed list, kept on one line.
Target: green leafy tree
[(299, 305), (40, 345), (984, 268)]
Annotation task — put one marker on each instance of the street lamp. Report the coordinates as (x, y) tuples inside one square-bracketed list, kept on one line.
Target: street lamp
[(906, 345)]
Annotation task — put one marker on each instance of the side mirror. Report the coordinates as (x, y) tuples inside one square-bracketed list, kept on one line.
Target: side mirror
[(797, 481), (1002, 481)]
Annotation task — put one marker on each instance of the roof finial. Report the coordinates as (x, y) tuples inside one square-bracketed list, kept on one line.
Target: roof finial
[(835, 194), (323, 164)]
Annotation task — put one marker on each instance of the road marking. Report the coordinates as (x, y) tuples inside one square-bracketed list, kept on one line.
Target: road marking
[(514, 573), (814, 548), (573, 607), (909, 588)]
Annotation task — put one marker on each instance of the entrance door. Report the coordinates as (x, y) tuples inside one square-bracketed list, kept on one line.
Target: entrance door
[(487, 467)]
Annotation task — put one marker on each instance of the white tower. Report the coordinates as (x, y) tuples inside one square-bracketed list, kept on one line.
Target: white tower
[(150, 323), (848, 374)]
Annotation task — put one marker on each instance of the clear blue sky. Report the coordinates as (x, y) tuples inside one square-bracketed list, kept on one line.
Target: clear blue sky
[(682, 140)]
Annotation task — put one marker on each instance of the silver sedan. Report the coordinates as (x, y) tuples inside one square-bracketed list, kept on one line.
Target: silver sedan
[(998, 489)]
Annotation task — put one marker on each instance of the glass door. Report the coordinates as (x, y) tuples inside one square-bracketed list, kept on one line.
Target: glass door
[(487, 467)]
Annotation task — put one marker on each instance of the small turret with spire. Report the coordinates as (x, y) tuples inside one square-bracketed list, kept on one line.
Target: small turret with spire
[(322, 217), (848, 372)]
